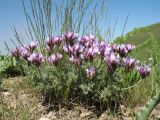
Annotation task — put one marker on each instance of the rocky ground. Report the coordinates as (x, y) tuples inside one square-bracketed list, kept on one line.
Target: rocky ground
[(20, 102)]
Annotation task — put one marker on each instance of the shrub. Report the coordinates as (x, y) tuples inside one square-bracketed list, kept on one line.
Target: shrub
[(75, 66)]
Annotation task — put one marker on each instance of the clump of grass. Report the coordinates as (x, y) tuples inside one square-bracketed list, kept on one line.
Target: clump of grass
[(48, 18)]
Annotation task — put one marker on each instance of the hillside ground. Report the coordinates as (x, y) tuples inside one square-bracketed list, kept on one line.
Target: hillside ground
[(19, 101)]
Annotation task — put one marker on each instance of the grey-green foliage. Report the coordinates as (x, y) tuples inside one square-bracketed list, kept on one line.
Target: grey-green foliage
[(66, 81), (54, 81), (145, 112)]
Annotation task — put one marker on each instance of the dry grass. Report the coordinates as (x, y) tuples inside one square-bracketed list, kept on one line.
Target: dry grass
[(19, 101)]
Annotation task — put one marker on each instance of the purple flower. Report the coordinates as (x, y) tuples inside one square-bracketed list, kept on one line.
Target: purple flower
[(112, 60), (108, 50), (88, 54), (70, 37), (102, 47), (66, 48), (32, 46), (48, 42), (144, 70), (123, 49), (90, 72), (36, 59), (16, 52), (129, 47), (56, 40), (25, 53), (114, 47), (75, 60), (95, 48), (129, 63), (55, 58), (87, 40), (51, 42), (75, 50)]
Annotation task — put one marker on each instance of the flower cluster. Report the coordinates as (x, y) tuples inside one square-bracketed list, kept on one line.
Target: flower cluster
[(32, 46), (16, 52), (144, 70), (129, 63), (51, 42), (123, 49), (70, 37), (55, 58), (79, 50), (36, 59), (25, 51), (112, 60)]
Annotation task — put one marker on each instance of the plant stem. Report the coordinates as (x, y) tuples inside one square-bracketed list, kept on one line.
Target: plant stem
[(39, 72), (132, 85)]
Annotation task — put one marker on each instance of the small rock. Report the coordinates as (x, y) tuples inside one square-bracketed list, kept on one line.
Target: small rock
[(44, 118), (51, 114), (104, 116), (85, 114), (7, 93)]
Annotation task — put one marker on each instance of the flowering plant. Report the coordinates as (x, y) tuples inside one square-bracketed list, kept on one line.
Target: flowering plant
[(84, 65)]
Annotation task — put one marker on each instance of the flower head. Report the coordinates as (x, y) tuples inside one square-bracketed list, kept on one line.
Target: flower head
[(102, 46), (70, 37), (36, 59), (48, 42), (108, 50), (90, 72), (112, 60), (129, 63), (25, 53), (51, 42), (75, 60), (129, 47), (16, 52), (87, 40), (56, 40), (55, 58), (32, 46), (75, 50), (65, 48), (89, 53), (123, 49), (144, 70)]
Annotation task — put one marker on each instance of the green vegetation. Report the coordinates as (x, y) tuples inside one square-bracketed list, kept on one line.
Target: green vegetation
[(147, 41), (9, 67)]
